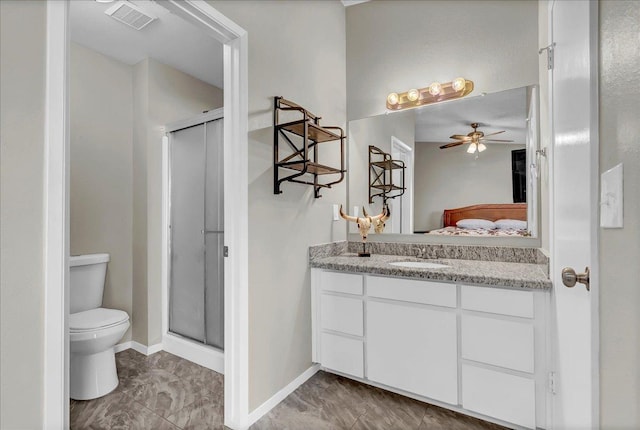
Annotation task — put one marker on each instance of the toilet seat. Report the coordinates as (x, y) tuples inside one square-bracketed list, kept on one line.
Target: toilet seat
[(96, 319)]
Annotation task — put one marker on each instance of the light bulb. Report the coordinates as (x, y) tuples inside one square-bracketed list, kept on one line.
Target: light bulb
[(393, 98), (435, 88), (413, 95), (458, 84), (472, 148), (481, 147)]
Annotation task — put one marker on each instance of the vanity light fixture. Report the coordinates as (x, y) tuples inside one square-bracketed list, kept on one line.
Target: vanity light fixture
[(413, 95), (436, 92), (393, 99), (435, 88)]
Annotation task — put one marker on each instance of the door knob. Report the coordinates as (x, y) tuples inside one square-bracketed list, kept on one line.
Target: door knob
[(570, 277)]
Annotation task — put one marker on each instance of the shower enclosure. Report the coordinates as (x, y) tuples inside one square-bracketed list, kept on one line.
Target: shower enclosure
[(196, 226)]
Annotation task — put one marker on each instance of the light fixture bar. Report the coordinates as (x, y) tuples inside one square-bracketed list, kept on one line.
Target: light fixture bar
[(436, 92)]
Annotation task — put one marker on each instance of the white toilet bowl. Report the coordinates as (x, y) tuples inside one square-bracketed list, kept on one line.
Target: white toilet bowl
[(92, 336), (93, 330)]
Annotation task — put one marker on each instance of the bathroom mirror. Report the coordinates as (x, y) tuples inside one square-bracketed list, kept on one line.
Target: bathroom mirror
[(495, 178)]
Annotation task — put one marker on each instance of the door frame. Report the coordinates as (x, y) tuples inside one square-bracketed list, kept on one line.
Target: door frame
[(594, 329), (56, 208), (406, 200)]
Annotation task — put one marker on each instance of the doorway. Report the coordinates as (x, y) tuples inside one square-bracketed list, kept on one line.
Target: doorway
[(56, 351), (402, 207)]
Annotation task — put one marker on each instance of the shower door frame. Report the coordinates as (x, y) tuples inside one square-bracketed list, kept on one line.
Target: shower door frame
[(204, 354)]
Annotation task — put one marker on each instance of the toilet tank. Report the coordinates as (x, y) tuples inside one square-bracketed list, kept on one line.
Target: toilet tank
[(86, 281)]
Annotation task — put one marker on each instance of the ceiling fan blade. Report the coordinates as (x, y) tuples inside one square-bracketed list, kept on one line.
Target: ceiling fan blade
[(492, 134), (460, 137), (496, 140), (452, 144)]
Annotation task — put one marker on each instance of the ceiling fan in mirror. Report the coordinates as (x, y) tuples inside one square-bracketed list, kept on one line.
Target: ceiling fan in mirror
[(476, 140)]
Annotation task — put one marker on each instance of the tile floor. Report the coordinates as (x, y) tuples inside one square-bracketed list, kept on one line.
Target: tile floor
[(163, 391)]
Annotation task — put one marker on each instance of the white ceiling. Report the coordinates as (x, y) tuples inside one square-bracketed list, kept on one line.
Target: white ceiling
[(169, 39), (504, 110)]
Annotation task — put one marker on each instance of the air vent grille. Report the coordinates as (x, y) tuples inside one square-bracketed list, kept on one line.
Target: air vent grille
[(130, 14)]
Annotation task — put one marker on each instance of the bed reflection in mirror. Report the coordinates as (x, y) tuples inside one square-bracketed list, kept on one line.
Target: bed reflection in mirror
[(470, 166)]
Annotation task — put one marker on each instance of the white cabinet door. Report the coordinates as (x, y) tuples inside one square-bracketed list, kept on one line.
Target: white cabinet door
[(500, 395), (413, 348)]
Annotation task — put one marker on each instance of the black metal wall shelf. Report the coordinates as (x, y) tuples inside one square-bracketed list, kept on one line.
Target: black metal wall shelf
[(303, 136), (381, 168)]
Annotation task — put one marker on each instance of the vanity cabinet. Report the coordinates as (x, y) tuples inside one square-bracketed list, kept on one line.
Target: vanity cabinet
[(477, 350)]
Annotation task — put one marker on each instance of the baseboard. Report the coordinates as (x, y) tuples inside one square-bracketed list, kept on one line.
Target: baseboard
[(261, 410), (136, 346), (206, 356)]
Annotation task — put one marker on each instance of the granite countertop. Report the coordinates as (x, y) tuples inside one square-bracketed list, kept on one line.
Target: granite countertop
[(480, 272)]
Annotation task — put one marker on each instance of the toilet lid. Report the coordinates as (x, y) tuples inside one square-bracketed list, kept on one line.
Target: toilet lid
[(98, 318)]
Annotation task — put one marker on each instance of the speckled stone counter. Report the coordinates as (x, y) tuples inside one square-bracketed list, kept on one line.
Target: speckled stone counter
[(479, 272)]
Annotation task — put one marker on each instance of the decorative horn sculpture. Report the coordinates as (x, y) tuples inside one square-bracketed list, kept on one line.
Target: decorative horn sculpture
[(364, 225), (378, 221)]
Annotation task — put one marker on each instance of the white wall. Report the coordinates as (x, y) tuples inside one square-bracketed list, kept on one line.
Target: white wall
[(296, 50), (22, 97), (451, 178), (101, 195), (162, 95), (394, 45), (620, 248)]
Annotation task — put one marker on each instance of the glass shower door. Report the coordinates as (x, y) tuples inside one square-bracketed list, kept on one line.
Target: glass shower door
[(186, 292), (196, 291), (214, 236)]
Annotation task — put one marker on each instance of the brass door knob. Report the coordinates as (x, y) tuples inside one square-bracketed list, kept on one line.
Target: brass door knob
[(570, 277)]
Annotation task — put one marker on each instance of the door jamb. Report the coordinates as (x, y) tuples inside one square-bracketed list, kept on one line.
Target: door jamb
[(56, 209)]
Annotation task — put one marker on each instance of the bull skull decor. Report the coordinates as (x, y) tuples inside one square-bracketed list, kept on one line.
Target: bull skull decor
[(364, 225), (378, 223)]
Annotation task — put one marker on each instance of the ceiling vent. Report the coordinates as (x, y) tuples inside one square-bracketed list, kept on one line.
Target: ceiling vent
[(130, 14)]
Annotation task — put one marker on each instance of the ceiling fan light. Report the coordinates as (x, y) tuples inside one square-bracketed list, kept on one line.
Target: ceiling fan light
[(481, 147), (435, 88), (413, 95), (472, 148), (458, 84), (393, 98)]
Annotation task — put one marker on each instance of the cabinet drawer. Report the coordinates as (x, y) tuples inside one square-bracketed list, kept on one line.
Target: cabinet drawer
[(409, 290), (342, 314), (497, 301), (342, 354), (502, 343), (348, 283), (506, 397)]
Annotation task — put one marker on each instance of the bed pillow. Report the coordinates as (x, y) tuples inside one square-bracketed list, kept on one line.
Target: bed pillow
[(476, 223), (516, 224)]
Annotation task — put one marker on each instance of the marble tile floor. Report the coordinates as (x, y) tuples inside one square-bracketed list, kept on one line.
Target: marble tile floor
[(163, 391)]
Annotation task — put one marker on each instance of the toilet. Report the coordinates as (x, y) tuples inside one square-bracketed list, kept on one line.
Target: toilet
[(93, 330)]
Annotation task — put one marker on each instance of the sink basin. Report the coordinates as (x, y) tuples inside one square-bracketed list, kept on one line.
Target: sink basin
[(419, 264)]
